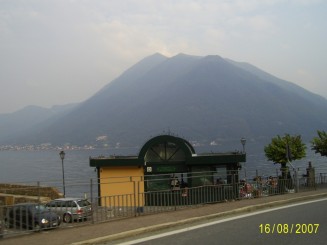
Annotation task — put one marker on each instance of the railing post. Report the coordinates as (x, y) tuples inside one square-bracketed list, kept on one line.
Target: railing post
[(92, 203), (138, 195), (38, 193), (2, 228), (297, 181), (234, 186), (134, 201)]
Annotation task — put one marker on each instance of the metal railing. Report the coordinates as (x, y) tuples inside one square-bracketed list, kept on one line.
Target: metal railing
[(142, 201)]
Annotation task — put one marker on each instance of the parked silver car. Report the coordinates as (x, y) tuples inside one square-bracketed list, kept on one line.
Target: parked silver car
[(71, 208)]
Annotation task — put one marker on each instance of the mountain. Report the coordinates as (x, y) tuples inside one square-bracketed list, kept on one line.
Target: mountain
[(203, 99), (291, 87), (29, 119)]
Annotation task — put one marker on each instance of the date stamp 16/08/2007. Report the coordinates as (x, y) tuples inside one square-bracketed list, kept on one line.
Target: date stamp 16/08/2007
[(288, 228)]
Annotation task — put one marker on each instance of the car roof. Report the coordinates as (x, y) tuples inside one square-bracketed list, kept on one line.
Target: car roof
[(69, 199)]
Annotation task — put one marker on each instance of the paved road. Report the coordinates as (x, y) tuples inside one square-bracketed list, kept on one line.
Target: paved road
[(293, 224)]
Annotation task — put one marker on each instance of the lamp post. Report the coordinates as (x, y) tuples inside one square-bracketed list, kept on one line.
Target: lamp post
[(62, 156), (243, 141)]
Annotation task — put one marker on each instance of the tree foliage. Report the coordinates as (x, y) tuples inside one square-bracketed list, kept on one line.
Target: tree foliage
[(319, 144), (284, 149)]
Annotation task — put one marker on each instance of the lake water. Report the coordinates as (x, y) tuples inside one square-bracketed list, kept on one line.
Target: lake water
[(29, 167)]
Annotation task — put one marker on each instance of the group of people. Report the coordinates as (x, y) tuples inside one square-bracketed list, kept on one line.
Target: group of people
[(257, 187), (176, 185)]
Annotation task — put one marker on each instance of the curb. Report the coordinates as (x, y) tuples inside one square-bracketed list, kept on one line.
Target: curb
[(197, 219)]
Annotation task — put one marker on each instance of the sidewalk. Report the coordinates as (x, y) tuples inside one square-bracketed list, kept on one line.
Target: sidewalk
[(97, 233)]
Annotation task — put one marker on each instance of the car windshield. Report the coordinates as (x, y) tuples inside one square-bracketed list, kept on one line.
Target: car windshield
[(39, 208)]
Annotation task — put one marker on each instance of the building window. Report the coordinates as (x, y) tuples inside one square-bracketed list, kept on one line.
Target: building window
[(202, 175), (164, 152), (157, 182)]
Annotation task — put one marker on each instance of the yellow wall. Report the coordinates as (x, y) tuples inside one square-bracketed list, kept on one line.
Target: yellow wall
[(122, 186)]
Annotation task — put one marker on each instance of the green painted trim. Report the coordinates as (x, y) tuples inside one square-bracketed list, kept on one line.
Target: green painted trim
[(118, 161), (210, 159), (214, 159), (165, 168)]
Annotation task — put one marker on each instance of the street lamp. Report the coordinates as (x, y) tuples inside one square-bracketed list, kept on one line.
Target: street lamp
[(243, 141), (62, 156)]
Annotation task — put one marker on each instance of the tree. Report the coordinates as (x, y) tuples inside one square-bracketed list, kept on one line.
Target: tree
[(319, 144), (285, 149)]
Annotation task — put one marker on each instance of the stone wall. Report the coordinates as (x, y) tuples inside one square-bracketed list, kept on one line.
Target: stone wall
[(13, 193)]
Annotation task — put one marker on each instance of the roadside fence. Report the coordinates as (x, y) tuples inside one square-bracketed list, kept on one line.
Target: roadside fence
[(149, 195)]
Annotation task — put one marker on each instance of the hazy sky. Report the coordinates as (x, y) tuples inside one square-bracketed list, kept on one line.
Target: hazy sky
[(63, 51)]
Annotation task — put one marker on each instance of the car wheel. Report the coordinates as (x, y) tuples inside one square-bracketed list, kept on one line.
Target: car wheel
[(67, 218)]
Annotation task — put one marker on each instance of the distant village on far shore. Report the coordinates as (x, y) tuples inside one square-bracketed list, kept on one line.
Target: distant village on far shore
[(68, 146), (44, 147)]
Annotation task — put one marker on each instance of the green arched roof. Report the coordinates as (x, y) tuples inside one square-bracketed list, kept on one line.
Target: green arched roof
[(186, 147)]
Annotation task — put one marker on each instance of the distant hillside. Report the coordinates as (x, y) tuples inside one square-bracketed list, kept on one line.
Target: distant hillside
[(27, 120), (204, 99)]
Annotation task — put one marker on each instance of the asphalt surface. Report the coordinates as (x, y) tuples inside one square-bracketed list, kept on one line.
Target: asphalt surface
[(279, 225), (117, 229)]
